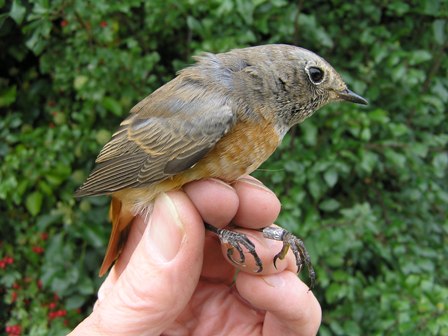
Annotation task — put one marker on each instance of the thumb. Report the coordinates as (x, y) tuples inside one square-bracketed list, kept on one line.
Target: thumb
[(162, 273)]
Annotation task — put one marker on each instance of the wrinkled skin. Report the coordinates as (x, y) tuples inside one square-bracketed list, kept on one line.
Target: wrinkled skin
[(188, 287)]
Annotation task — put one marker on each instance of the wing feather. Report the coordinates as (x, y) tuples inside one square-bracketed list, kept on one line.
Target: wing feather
[(165, 137)]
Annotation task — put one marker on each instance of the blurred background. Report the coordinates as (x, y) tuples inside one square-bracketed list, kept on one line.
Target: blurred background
[(365, 187)]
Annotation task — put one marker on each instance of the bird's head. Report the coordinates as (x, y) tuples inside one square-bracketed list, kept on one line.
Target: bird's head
[(297, 81), (309, 82)]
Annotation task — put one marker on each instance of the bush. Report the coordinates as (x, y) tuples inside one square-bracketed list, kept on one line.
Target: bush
[(366, 188)]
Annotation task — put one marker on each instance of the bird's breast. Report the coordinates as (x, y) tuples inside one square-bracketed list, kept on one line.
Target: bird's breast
[(241, 151)]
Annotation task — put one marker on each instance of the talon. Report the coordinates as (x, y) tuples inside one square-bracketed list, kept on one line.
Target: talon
[(230, 256), (282, 254), (275, 261), (242, 256)]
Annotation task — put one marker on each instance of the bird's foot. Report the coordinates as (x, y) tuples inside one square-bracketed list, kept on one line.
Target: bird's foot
[(297, 246), (236, 240)]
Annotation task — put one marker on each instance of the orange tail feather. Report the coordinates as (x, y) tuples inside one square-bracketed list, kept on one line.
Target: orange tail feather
[(120, 218)]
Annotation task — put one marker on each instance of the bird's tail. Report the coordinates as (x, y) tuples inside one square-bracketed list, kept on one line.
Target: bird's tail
[(121, 219)]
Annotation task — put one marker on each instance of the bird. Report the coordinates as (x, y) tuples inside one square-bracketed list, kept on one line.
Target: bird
[(220, 117)]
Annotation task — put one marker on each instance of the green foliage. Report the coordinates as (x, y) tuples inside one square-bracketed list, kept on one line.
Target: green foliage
[(366, 188)]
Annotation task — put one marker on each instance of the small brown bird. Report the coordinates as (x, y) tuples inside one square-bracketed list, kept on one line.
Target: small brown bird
[(221, 117)]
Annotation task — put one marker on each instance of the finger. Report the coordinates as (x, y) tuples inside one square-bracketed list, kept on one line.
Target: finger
[(291, 308), (251, 202), (217, 203), (258, 206), (138, 227), (162, 272)]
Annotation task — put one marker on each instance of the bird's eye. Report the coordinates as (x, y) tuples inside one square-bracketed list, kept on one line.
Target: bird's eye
[(316, 75)]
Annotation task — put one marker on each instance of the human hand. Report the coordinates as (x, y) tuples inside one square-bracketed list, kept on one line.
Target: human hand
[(172, 279)]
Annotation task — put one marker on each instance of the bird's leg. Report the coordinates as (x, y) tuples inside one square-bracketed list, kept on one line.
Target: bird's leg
[(236, 240), (297, 246)]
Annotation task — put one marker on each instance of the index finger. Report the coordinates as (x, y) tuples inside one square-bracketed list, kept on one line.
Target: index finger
[(258, 207)]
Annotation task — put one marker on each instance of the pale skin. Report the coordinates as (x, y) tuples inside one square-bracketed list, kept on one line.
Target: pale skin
[(174, 279)]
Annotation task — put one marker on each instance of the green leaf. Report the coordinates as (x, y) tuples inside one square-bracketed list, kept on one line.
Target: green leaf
[(75, 301), (333, 292), (8, 96), (315, 188), (193, 24), (80, 81), (331, 177), (245, 9), (399, 8), (103, 136), (40, 31), (33, 202), (310, 132), (329, 205), (439, 31), (397, 159), (3, 18), (45, 220), (379, 115), (86, 286), (113, 106), (440, 163), (17, 12), (419, 56), (368, 161)]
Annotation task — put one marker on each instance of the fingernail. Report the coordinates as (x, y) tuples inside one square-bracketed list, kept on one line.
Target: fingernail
[(217, 181), (274, 280), (166, 230), (254, 182)]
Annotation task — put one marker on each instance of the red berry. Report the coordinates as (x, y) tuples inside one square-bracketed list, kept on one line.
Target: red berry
[(52, 305), (38, 249), (2, 264), (64, 23), (9, 260), (14, 296), (13, 330), (103, 24), (44, 235)]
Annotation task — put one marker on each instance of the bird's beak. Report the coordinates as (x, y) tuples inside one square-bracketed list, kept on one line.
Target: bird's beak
[(350, 96)]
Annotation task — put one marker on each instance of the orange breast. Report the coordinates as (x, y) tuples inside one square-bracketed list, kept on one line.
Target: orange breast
[(240, 152)]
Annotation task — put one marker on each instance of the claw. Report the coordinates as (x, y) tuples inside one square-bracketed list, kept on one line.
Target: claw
[(240, 251), (275, 261), (282, 254)]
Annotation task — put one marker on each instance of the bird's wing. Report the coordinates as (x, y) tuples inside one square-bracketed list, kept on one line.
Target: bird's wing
[(162, 137)]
